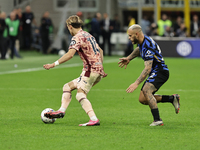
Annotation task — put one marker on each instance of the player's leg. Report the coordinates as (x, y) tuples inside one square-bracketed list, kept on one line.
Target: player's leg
[(81, 96), (173, 99), (158, 79), (148, 90), (159, 98), (83, 88), (66, 96), (66, 99)]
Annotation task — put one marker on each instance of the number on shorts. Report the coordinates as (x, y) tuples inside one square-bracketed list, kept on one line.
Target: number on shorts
[(79, 79)]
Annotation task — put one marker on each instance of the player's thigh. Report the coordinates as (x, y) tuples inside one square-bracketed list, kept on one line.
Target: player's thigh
[(157, 79), (70, 86), (86, 83), (149, 88)]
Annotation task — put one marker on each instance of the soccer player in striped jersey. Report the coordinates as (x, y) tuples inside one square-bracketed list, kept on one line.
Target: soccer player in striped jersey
[(92, 57), (156, 72)]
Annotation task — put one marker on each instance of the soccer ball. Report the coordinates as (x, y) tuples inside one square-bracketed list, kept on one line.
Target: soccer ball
[(45, 119), (61, 52)]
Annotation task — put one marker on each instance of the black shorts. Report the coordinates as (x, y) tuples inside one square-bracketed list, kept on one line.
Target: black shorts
[(157, 79)]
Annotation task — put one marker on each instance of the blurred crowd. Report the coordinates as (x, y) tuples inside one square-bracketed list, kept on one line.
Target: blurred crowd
[(101, 25), (19, 30), (166, 28)]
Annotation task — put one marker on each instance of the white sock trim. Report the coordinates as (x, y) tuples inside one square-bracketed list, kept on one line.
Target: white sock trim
[(93, 118), (62, 109)]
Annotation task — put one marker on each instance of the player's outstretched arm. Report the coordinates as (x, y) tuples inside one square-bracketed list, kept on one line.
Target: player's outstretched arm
[(125, 60), (135, 53), (142, 77), (63, 59)]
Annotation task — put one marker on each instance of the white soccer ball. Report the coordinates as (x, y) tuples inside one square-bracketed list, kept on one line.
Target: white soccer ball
[(61, 52), (45, 119)]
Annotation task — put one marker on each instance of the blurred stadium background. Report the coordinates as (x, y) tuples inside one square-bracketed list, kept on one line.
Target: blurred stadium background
[(153, 9)]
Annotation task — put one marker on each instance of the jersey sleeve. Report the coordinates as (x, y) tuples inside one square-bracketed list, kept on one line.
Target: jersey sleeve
[(149, 55), (75, 43)]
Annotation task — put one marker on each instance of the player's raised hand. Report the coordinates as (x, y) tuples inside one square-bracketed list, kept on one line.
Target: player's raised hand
[(48, 66), (123, 62)]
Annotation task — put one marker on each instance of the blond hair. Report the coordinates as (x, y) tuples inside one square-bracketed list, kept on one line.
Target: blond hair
[(135, 27), (75, 21)]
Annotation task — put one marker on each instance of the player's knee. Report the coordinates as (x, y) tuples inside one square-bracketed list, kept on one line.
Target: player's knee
[(80, 96), (143, 101)]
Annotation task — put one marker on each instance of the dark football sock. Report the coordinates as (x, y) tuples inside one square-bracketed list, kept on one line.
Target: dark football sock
[(155, 114), (167, 98)]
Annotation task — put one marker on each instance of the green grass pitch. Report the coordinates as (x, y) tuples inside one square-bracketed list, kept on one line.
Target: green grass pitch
[(27, 89)]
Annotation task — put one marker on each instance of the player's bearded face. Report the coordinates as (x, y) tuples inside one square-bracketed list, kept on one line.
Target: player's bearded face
[(134, 39), (132, 36)]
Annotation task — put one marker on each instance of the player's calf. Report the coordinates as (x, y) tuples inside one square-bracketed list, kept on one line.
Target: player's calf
[(86, 105), (66, 97)]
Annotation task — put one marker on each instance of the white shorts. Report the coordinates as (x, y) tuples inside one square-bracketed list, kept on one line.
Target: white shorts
[(86, 83)]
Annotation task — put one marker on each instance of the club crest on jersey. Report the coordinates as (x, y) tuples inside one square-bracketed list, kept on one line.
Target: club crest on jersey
[(72, 42)]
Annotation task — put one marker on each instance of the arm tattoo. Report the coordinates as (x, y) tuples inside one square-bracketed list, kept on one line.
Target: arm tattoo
[(134, 54), (146, 71)]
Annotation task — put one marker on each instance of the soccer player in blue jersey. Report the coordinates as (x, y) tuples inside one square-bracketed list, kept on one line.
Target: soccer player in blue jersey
[(155, 71)]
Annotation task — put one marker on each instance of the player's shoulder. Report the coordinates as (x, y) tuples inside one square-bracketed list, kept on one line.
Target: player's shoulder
[(85, 34), (75, 39), (146, 42), (147, 39), (77, 36), (149, 42), (81, 33)]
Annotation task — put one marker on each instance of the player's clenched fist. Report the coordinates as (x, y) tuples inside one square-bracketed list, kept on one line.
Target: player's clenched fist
[(48, 66)]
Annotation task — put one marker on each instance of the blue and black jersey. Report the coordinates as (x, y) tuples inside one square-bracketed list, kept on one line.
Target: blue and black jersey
[(149, 50)]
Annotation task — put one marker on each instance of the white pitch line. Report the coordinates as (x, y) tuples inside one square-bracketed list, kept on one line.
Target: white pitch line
[(38, 69), (61, 66)]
